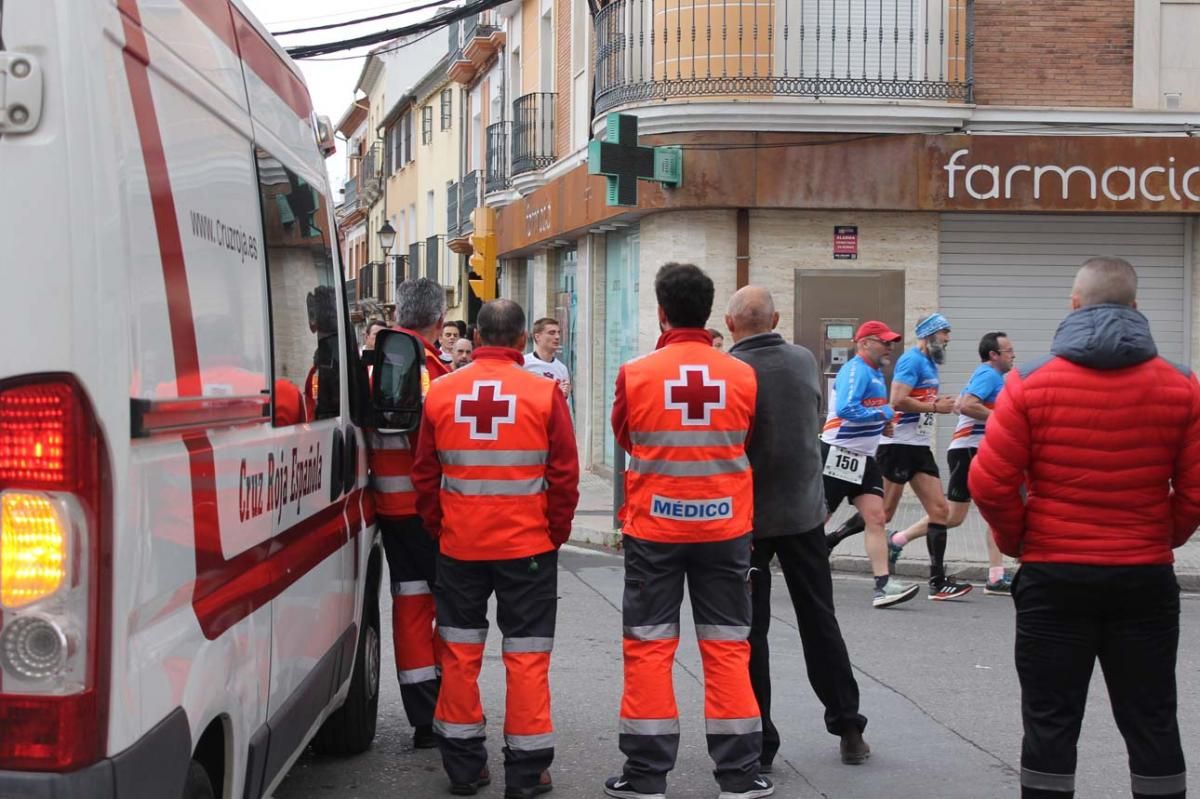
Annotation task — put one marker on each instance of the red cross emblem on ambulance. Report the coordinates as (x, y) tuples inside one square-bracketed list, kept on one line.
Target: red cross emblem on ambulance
[(695, 395), (485, 409)]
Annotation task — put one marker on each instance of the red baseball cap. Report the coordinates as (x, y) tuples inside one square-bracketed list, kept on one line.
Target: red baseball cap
[(877, 329)]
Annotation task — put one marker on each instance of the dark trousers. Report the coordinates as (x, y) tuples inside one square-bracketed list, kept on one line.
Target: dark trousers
[(804, 560), (412, 569), (526, 606), (716, 575), (1127, 617)]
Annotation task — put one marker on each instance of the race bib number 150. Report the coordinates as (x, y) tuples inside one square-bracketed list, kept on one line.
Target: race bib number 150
[(842, 464)]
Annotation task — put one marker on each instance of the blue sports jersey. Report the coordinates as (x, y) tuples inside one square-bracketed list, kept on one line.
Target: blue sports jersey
[(918, 370), (858, 409), (986, 383)]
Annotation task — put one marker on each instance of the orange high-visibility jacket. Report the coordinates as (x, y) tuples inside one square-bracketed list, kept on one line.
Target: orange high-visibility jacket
[(390, 455), (497, 469), (684, 413)]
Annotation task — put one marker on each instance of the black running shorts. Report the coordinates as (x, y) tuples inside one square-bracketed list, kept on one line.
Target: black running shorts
[(959, 461), (899, 462), (837, 490)]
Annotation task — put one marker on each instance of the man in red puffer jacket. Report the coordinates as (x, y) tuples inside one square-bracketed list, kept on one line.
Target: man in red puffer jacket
[(1104, 435)]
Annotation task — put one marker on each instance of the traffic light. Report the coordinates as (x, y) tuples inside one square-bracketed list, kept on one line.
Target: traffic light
[(483, 259)]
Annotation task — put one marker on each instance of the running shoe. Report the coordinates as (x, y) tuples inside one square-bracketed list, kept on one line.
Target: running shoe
[(893, 593), (947, 588), (893, 550), (1002, 587)]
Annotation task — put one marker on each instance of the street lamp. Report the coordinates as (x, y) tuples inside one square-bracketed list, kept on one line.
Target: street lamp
[(387, 238)]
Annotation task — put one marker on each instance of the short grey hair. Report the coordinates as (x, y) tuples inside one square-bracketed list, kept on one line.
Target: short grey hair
[(420, 303), (1106, 281)]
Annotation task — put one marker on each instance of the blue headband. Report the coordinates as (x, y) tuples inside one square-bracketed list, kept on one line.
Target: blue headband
[(932, 324)]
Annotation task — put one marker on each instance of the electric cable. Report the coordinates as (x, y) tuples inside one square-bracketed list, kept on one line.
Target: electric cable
[(300, 52), (361, 20)]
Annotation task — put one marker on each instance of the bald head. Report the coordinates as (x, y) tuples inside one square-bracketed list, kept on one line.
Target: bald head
[(751, 311), (501, 323), (1105, 281)]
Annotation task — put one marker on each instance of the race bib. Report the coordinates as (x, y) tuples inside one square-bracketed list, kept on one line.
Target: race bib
[(842, 464), (927, 423)]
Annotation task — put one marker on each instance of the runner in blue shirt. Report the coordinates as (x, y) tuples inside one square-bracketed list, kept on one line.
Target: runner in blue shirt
[(859, 417)]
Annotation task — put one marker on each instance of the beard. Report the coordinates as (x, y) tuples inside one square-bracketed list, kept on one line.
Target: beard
[(937, 351)]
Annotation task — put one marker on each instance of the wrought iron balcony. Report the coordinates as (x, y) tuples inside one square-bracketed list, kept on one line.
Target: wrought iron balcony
[(533, 132), (350, 194), (452, 192), (498, 137), (468, 200), (370, 174), (650, 50)]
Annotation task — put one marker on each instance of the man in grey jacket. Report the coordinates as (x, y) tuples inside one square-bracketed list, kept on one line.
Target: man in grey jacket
[(789, 520)]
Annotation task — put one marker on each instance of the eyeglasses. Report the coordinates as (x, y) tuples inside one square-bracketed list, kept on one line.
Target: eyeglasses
[(878, 340), (1006, 352)]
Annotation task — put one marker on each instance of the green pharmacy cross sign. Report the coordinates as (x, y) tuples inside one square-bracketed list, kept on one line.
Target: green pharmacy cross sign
[(623, 161)]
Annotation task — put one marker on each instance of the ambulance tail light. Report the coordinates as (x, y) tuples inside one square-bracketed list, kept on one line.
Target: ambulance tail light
[(55, 556)]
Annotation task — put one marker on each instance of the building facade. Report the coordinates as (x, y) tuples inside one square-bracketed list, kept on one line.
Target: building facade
[(861, 159)]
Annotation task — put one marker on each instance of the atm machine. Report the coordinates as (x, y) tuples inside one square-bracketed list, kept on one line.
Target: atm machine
[(837, 348), (832, 303)]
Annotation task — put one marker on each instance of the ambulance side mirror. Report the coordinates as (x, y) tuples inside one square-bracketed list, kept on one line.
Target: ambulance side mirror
[(397, 377)]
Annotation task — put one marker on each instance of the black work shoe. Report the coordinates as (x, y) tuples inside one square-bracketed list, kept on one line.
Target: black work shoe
[(620, 788), (423, 737), (854, 749), (472, 788), (545, 785)]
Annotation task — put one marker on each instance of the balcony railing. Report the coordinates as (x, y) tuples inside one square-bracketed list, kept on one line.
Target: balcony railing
[(370, 174), (350, 193), (533, 132), (498, 137), (468, 200), (889, 49), (452, 192)]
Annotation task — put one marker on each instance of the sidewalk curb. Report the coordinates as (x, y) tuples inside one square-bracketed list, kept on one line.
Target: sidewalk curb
[(976, 572)]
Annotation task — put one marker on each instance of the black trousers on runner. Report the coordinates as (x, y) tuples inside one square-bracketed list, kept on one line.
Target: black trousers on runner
[(412, 566), (717, 577), (526, 606), (804, 559), (1068, 616)]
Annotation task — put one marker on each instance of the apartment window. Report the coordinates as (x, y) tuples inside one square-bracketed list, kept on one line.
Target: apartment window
[(395, 142), (427, 124), (406, 125), (447, 111), (304, 309)]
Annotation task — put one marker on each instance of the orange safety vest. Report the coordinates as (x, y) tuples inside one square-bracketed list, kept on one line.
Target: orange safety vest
[(688, 478), (390, 456), (491, 424)]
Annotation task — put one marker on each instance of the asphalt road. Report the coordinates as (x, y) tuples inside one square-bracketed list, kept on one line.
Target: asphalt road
[(936, 679)]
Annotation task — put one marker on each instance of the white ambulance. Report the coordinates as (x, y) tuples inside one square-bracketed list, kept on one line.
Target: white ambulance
[(189, 569)]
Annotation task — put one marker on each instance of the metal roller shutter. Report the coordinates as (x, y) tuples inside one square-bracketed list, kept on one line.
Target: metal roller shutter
[(1014, 273)]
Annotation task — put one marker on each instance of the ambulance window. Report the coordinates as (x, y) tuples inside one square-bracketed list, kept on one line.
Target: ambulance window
[(301, 286)]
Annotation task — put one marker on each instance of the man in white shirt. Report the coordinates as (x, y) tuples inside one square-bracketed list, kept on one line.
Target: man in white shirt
[(543, 360)]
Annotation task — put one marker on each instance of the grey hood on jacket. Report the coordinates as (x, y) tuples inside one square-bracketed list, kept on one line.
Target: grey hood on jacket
[(1105, 337)]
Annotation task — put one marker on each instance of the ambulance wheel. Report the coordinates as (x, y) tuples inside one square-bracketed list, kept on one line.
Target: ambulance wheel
[(198, 785), (351, 728)]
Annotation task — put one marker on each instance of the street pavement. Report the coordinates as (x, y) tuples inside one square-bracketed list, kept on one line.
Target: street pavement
[(937, 683)]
